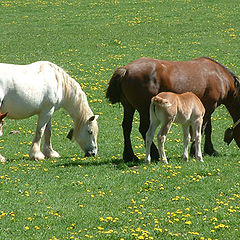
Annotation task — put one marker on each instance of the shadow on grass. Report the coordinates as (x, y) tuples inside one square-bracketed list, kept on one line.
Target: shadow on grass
[(118, 163)]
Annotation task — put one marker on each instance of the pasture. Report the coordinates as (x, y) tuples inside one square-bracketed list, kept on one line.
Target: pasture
[(102, 197)]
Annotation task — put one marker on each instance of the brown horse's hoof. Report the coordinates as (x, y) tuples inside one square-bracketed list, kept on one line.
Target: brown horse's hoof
[(212, 153), (154, 157), (130, 158)]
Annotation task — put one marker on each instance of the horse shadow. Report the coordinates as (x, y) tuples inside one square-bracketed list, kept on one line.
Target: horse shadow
[(118, 163)]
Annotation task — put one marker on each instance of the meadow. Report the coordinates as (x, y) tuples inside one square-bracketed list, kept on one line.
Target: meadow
[(102, 197)]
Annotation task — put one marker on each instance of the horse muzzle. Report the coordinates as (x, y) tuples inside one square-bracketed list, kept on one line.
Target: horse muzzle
[(91, 153)]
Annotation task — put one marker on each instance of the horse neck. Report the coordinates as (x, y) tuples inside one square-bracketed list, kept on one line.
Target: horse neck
[(232, 106), (75, 103)]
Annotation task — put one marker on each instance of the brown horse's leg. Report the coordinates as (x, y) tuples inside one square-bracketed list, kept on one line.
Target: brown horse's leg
[(143, 128), (128, 154), (208, 146)]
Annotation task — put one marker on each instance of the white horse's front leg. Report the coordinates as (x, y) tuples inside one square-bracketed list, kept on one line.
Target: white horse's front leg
[(35, 152), (47, 148)]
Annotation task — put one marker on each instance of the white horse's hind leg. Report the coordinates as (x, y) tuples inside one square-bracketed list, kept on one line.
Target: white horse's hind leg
[(43, 119), (47, 147)]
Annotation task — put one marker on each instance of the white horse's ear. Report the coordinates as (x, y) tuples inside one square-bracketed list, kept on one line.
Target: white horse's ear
[(70, 134), (94, 117)]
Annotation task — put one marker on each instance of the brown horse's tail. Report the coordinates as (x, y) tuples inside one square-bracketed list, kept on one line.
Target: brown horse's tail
[(114, 89)]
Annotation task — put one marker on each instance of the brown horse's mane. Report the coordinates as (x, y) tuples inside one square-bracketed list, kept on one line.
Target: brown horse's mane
[(234, 76)]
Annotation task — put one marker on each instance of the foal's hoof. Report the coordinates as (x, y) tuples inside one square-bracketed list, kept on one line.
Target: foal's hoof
[(2, 159)]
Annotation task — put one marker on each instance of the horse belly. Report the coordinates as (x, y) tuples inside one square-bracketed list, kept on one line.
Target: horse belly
[(20, 107), (183, 118)]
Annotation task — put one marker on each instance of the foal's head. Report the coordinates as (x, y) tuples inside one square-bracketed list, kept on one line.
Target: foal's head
[(86, 136), (2, 116)]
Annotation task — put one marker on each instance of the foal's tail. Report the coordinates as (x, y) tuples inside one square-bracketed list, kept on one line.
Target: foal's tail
[(162, 102), (114, 89)]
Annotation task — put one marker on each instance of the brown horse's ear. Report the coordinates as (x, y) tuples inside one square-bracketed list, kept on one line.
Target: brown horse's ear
[(70, 134), (2, 116)]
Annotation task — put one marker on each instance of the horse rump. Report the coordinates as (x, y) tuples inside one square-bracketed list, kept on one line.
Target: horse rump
[(114, 87)]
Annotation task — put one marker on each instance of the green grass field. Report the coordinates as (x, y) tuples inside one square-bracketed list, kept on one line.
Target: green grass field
[(103, 198)]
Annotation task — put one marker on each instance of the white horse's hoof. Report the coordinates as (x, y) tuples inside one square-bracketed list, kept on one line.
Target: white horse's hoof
[(51, 154), (37, 156)]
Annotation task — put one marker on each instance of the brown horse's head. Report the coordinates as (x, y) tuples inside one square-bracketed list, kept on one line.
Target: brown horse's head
[(236, 134)]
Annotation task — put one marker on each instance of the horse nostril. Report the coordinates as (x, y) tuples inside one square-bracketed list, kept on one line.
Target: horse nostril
[(90, 153)]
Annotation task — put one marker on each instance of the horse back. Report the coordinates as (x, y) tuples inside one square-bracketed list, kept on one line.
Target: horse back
[(183, 108), (26, 89), (146, 77)]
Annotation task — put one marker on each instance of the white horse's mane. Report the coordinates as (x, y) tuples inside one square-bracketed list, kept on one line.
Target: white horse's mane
[(74, 94)]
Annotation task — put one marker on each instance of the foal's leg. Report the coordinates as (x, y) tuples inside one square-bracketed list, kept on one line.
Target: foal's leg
[(186, 140), (47, 147), (143, 128), (197, 135), (149, 139), (161, 137), (43, 118)]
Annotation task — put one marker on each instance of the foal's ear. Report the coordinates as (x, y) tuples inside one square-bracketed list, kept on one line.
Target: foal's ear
[(93, 117), (70, 134)]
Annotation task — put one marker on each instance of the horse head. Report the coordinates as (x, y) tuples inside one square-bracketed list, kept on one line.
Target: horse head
[(86, 136), (236, 134)]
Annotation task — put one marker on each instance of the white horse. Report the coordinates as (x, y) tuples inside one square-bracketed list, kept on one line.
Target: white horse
[(42, 88)]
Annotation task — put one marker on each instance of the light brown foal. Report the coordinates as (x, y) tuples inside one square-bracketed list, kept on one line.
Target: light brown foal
[(186, 109)]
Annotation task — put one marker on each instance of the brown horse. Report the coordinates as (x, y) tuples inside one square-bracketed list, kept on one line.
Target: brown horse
[(136, 83)]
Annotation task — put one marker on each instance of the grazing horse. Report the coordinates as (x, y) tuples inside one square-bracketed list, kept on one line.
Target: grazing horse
[(136, 83), (168, 107), (2, 116), (40, 89)]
